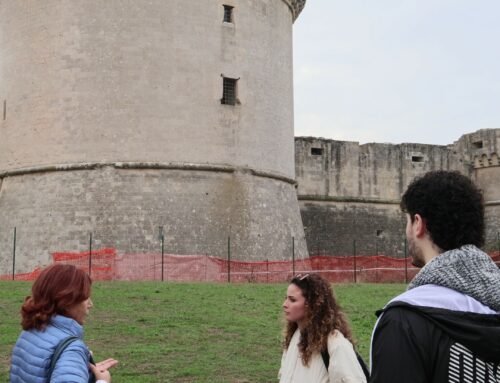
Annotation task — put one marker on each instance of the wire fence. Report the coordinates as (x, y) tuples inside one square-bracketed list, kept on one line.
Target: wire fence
[(105, 264)]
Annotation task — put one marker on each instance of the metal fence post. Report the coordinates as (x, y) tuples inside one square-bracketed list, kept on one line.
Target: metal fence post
[(14, 255), (267, 270), (162, 255), (206, 267), (229, 259), (406, 261), (90, 254), (354, 255), (160, 238)]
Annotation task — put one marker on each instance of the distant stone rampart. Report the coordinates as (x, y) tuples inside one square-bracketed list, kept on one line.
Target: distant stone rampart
[(349, 191)]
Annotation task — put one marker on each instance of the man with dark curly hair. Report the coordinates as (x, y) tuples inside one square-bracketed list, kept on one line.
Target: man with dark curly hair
[(446, 326)]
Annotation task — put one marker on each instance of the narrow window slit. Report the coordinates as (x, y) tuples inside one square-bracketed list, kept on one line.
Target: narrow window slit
[(228, 14), (316, 151), (229, 96), (417, 159)]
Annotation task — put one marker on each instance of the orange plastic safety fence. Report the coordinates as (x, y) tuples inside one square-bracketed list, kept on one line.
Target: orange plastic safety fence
[(106, 264), (31, 276), (99, 263)]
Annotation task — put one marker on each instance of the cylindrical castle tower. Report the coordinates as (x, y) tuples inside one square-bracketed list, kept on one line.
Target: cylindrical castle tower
[(481, 149), (123, 116)]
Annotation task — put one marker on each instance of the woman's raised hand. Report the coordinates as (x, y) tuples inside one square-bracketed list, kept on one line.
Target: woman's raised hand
[(100, 369)]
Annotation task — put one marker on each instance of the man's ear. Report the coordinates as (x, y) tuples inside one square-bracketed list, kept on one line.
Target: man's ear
[(419, 225)]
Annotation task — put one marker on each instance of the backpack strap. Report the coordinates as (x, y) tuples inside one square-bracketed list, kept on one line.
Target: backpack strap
[(326, 360), (363, 365), (57, 353)]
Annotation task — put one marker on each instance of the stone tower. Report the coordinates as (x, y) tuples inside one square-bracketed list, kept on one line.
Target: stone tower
[(480, 150), (120, 117)]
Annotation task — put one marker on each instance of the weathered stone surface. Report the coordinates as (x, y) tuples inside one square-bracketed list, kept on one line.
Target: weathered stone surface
[(88, 85), (124, 208), (340, 228), (350, 191)]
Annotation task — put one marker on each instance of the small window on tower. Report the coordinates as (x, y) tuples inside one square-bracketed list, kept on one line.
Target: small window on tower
[(228, 14), (228, 91), (316, 151), (417, 158), (477, 145)]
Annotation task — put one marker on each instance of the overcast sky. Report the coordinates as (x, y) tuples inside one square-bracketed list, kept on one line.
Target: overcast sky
[(423, 71)]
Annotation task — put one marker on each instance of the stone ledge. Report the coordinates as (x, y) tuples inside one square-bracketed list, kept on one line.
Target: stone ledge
[(348, 199), (365, 200), (146, 165)]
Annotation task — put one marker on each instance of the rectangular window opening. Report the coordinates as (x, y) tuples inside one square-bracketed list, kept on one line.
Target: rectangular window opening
[(228, 14), (477, 145), (417, 159), (229, 91), (316, 151)]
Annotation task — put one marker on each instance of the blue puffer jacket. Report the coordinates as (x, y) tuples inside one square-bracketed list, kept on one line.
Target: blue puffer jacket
[(33, 350)]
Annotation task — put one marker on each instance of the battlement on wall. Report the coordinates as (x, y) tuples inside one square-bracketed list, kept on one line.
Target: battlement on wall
[(346, 169), (296, 6), (346, 188), (485, 160), (480, 148), (372, 171)]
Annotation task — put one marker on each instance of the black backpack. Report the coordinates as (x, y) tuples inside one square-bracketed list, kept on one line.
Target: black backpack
[(326, 359)]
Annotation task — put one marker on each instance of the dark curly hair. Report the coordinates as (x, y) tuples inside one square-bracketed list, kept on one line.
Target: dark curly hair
[(323, 317), (56, 289), (451, 205)]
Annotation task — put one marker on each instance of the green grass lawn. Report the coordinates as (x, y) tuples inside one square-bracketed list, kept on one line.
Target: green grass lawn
[(168, 332)]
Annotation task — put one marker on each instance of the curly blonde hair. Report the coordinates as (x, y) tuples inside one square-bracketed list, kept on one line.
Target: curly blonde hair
[(323, 316)]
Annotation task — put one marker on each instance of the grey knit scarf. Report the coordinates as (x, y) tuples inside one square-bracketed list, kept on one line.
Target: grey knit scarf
[(467, 270)]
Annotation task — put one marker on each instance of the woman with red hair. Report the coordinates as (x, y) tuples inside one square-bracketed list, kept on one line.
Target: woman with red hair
[(55, 312)]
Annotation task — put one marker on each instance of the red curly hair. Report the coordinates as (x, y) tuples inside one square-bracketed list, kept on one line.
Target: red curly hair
[(323, 317), (56, 289)]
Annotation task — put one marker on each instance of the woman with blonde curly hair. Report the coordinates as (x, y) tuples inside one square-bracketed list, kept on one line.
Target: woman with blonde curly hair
[(318, 344)]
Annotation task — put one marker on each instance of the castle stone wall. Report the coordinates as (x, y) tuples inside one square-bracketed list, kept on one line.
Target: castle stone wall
[(372, 171), (123, 208), (349, 191), (342, 228), (482, 148), (113, 124), (141, 81)]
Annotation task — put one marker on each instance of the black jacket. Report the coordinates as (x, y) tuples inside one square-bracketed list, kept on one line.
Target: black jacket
[(413, 343)]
